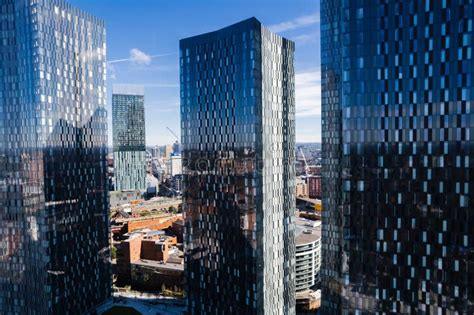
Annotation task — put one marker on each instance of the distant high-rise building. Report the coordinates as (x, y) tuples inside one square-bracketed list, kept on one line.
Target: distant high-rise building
[(398, 152), (176, 148), (238, 138), (168, 151), (156, 152), (53, 172), (128, 121), (176, 165)]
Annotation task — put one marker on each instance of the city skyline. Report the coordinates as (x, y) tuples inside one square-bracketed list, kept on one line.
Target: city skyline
[(145, 51)]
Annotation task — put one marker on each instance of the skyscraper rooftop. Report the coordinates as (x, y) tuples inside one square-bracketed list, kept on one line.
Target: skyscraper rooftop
[(128, 89)]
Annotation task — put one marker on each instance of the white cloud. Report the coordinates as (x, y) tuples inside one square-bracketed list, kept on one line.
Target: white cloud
[(296, 23), (138, 57), (308, 93)]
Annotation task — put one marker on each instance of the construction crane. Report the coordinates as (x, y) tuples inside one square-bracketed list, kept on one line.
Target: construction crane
[(173, 133), (306, 167)]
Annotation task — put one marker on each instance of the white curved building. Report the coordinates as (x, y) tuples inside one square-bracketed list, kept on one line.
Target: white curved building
[(308, 253)]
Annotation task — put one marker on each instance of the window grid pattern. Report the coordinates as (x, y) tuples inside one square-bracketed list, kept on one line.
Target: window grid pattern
[(53, 145), (237, 113), (331, 122), (128, 117), (308, 265), (407, 166)]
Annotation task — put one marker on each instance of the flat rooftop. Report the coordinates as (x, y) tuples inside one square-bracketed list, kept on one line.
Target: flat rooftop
[(307, 231), (128, 89), (159, 264)]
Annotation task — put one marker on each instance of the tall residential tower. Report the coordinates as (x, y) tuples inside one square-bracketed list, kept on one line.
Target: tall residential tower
[(128, 120), (398, 157), (53, 146), (238, 137)]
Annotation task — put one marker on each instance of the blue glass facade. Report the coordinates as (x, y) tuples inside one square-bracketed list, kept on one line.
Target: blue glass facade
[(237, 116), (128, 120), (53, 144), (398, 128)]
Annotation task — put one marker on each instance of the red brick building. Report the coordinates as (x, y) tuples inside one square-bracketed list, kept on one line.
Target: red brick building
[(127, 252), (152, 224), (314, 186), (141, 246), (157, 249)]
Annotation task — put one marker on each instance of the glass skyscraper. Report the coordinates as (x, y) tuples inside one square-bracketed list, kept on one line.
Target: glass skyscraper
[(128, 121), (398, 157), (53, 146), (238, 137)]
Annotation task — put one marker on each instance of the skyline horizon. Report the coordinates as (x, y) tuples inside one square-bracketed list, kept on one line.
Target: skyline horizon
[(164, 144)]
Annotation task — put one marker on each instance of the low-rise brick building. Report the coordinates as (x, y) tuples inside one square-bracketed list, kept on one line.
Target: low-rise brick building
[(147, 246)]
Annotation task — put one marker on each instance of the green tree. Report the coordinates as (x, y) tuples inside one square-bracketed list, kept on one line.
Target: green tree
[(173, 210), (113, 252)]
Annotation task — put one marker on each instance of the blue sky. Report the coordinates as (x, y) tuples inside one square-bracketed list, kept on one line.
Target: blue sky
[(143, 41)]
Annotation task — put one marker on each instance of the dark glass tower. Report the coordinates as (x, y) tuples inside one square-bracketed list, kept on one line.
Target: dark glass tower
[(237, 113), (128, 120), (398, 132), (53, 146)]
